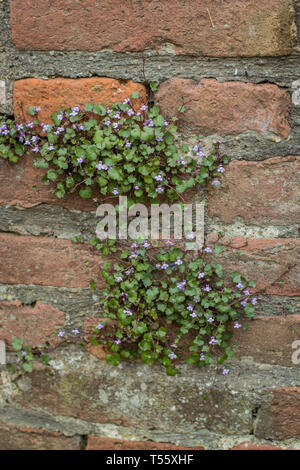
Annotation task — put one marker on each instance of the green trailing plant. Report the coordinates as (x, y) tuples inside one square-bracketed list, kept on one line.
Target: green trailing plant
[(121, 149), (156, 298)]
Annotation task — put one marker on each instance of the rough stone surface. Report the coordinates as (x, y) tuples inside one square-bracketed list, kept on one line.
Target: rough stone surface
[(19, 438), (51, 95), (2, 93), (281, 418), (102, 443), (251, 446), (226, 108), (269, 339), (35, 325), (47, 261), (263, 260), (265, 192), (240, 29), (48, 220), (133, 395)]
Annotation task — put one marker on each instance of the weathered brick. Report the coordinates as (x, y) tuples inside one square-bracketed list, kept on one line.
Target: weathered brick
[(227, 108), (197, 28), (35, 325), (47, 262), (281, 418), (21, 184), (259, 192), (268, 339), (264, 261), (19, 438), (105, 443), (55, 93), (251, 446)]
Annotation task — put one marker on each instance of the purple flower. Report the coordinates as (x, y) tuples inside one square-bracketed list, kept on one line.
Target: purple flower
[(237, 325), (117, 341), (119, 278), (172, 355), (130, 112), (200, 275), (144, 107), (164, 266), (210, 320), (76, 331), (224, 370), (45, 127), (75, 111), (127, 312), (190, 308), (159, 177), (146, 244), (149, 123), (174, 346), (80, 159), (181, 285), (253, 301), (168, 242), (116, 125), (202, 358), (213, 340), (29, 124), (61, 333), (221, 169), (215, 182), (136, 187), (115, 191), (19, 127), (239, 285), (159, 189), (36, 149), (99, 326), (178, 262), (207, 288), (243, 303), (208, 249), (24, 353), (51, 147), (127, 144), (60, 117), (193, 315), (107, 122), (246, 292)]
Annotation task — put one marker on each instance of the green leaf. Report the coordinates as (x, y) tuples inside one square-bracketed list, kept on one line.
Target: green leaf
[(135, 95), (17, 344), (86, 192)]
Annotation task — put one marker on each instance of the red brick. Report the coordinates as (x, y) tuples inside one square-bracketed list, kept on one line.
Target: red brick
[(198, 28), (259, 192), (268, 339), (21, 184), (35, 325), (47, 262), (105, 443), (281, 418), (227, 108), (19, 438), (251, 446), (264, 261), (53, 94)]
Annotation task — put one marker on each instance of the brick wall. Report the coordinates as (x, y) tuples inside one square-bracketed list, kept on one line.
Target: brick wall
[(237, 67)]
